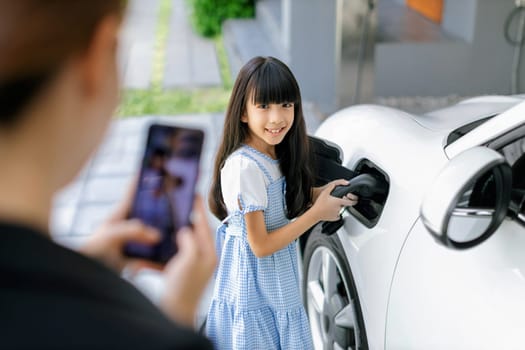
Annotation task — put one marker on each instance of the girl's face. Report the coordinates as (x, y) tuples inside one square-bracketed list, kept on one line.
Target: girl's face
[(268, 124)]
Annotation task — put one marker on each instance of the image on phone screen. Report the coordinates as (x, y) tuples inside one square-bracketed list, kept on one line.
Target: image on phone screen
[(166, 187)]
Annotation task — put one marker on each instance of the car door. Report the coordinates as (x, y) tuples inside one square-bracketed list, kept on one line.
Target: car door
[(473, 298)]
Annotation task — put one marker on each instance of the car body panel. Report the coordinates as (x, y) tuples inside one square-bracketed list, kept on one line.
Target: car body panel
[(430, 308), (493, 128), (466, 112), (373, 253), (410, 151)]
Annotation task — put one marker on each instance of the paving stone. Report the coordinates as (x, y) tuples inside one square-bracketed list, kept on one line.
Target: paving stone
[(191, 61), (137, 43)]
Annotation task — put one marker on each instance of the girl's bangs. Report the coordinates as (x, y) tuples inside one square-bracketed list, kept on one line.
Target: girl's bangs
[(272, 83)]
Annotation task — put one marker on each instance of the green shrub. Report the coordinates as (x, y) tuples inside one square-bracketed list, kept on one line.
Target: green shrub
[(208, 15)]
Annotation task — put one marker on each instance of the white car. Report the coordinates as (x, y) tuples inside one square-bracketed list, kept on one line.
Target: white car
[(433, 257)]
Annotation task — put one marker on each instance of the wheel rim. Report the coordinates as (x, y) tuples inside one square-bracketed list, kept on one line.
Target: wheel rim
[(331, 309)]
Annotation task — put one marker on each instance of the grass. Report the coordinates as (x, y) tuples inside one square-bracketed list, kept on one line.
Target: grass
[(148, 102), (157, 101)]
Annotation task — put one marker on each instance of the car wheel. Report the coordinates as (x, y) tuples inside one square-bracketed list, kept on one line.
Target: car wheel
[(330, 295)]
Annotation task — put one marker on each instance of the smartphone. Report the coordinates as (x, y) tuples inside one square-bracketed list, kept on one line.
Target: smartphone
[(166, 187)]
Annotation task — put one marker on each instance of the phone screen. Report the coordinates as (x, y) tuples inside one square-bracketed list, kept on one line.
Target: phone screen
[(166, 187)]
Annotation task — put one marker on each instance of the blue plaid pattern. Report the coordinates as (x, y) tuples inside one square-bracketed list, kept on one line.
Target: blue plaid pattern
[(256, 302)]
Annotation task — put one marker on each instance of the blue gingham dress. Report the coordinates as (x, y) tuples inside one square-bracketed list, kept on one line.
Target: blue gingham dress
[(256, 302)]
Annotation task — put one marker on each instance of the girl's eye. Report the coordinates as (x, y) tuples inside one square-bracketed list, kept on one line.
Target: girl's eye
[(287, 105), (263, 106)]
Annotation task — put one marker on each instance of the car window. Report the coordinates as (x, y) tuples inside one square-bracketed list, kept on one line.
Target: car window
[(514, 153), (481, 196), (481, 193), (465, 129)]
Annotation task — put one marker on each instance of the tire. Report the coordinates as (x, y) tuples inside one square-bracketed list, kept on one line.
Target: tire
[(327, 280)]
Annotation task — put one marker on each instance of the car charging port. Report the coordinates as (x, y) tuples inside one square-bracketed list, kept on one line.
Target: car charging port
[(371, 185)]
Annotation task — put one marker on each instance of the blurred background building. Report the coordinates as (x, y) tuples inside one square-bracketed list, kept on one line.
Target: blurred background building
[(386, 51)]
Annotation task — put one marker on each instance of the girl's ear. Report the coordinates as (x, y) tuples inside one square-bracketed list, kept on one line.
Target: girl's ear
[(244, 118)]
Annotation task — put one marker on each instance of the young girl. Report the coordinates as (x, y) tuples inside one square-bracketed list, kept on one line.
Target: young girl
[(262, 180)]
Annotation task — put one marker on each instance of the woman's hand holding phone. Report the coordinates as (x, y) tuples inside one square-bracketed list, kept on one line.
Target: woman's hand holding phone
[(108, 242), (145, 230), (189, 271), (186, 274)]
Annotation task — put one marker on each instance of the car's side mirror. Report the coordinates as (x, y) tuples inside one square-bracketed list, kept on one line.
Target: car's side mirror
[(469, 199)]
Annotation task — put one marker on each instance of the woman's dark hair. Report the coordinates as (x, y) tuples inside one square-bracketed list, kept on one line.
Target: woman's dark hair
[(36, 38), (267, 80)]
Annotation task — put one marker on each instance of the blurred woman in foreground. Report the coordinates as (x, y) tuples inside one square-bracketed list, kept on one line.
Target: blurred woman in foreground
[(58, 91)]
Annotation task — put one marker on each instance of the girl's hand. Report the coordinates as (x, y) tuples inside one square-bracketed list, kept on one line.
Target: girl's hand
[(328, 207), (316, 191)]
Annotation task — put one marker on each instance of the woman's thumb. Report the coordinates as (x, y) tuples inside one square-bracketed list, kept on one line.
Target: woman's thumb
[(186, 242), (137, 232)]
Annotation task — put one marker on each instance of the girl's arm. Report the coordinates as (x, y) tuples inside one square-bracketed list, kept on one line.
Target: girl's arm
[(325, 208)]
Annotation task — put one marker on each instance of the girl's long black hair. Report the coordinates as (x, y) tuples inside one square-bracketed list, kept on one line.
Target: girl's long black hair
[(267, 80)]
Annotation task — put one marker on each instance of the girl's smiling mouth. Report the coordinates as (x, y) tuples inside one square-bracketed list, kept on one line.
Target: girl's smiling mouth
[(274, 132)]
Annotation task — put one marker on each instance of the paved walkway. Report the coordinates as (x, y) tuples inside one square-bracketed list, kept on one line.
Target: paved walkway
[(190, 61), (137, 43)]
